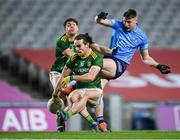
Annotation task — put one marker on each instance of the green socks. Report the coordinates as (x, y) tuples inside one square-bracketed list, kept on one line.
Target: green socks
[(69, 114), (90, 120)]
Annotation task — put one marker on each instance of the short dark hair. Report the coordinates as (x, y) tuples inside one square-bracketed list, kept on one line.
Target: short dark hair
[(69, 20), (86, 38), (130, 13)]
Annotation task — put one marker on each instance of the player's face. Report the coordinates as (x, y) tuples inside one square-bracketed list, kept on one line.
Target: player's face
[(130, 24), (81, 48), (71, 28)]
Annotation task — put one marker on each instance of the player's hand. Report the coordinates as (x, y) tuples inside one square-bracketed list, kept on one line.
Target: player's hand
[(56, 99), (164, 69), (102, 15), (114, 50), (66, 80)]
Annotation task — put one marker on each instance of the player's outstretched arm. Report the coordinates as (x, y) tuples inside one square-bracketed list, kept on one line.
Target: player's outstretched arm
[(148, 60), (101, 49), (101, 18)]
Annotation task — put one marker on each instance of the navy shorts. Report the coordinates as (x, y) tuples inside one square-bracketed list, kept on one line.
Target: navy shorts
[(120, 65)]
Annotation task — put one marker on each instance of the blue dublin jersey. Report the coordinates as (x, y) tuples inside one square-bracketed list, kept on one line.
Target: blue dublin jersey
[(125, 42)]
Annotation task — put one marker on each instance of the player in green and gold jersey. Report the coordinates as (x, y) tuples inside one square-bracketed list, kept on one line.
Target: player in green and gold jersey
[(86, 66), (64, 49)]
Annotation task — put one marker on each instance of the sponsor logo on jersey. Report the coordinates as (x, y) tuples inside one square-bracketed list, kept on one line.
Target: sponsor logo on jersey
[(89, 63)]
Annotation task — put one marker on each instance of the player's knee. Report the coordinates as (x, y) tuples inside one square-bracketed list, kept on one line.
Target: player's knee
[(86, 96), (75, 98)]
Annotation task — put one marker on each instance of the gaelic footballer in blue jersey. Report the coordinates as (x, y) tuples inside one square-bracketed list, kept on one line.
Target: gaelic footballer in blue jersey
[(126, 38)]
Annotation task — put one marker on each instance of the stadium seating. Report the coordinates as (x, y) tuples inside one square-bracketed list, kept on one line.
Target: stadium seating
[(37, 24)]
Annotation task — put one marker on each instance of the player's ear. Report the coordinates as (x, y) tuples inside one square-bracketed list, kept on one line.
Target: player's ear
[(88, 44), (136, 19)]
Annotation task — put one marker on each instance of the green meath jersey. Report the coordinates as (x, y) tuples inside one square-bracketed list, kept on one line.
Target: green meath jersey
[(81, 66), (62, 44)]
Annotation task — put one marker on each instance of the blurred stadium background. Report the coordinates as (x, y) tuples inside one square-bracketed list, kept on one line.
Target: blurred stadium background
[(141, 99)]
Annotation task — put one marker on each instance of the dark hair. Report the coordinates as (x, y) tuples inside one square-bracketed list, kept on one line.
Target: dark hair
[(69, 20), (86, 38), (130, 13)]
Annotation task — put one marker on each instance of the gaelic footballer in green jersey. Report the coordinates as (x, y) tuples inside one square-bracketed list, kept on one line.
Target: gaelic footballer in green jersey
[(86, 66), (82, 66), (62, 44), (64, 49)]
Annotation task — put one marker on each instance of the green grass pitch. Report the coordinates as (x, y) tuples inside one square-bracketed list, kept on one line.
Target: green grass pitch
[(153, 135)]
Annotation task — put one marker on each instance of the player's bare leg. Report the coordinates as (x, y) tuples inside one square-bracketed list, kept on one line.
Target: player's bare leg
[(99, 110), (80, 106), (73, 98), (109, 68), (93, 124), (88, 94)]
